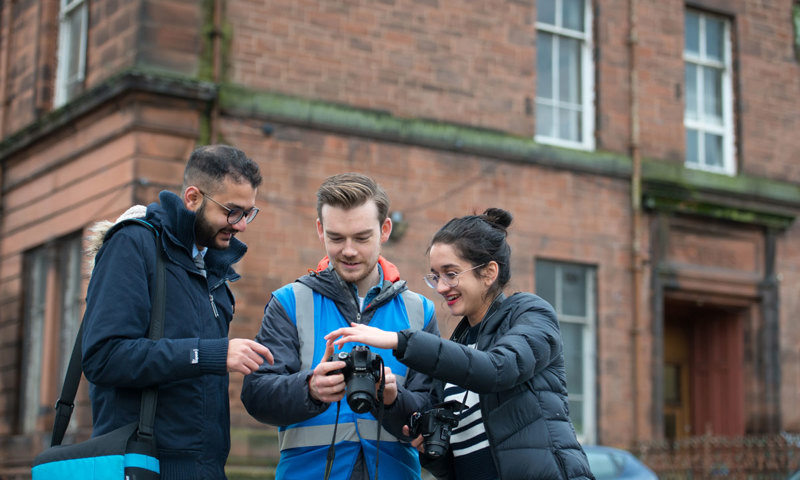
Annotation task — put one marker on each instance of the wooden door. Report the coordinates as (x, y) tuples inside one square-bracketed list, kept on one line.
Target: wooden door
[(677, 395), (716, 375)]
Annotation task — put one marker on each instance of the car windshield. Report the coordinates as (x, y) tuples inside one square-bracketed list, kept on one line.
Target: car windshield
[(603, 465)]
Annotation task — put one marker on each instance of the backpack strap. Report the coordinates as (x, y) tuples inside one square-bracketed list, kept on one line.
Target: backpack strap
[(66, 401), (130, 221)]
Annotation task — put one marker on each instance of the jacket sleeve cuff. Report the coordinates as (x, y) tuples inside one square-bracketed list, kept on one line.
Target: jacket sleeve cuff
[(402, 343), (314, 401), (213, 356)]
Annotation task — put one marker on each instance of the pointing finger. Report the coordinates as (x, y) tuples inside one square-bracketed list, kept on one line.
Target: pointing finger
[(328, 351)]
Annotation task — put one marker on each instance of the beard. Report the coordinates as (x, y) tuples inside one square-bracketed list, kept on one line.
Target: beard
[(205, 233), (364, 269)]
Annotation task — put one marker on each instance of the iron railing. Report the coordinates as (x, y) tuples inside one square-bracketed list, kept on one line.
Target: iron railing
[(709, 457)]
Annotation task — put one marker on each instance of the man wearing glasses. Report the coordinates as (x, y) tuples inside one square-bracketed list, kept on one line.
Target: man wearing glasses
[(189, 365), (302, 392)]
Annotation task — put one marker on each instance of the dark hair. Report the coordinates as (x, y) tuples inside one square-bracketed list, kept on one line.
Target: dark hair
[(209, 165), (350, 190), (481, 239)]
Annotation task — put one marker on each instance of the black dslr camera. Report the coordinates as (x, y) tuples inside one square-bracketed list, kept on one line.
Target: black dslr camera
[(435, 426), (362, 370)]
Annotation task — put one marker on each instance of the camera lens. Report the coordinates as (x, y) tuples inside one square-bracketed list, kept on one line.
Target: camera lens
[(435, 451), (361, 393), (360, 402), (438, 442)]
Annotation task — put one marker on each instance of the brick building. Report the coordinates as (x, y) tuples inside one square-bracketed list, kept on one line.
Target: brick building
[(648, 150)]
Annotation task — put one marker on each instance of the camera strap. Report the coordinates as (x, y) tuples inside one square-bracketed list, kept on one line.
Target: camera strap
[(332, 448), (463, 402), (380, 416)]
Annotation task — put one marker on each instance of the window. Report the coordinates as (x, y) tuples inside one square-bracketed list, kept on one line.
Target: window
[(35, 286), (73, 21), (570, 288), (53, 303), (564, 78), (708, 117)]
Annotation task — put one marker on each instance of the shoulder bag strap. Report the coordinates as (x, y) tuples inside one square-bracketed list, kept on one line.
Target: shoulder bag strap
[(66, 401), (147, 411)]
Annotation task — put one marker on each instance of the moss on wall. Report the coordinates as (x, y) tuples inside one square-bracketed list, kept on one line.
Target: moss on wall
[(666, 186)]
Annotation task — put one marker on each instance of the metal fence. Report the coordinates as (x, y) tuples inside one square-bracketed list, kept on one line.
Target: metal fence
[(746, 458)]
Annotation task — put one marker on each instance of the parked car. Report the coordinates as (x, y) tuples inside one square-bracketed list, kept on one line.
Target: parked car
[(608, 463)]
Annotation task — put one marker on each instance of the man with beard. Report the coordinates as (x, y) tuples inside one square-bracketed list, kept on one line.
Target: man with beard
[(352, 284), (189, 365)]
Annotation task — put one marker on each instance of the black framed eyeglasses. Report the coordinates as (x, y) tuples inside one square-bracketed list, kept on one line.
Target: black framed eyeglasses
[(236, 214), (450, 279)]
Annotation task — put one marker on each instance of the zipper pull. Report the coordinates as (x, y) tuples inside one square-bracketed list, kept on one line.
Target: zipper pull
[(213, 306), (358, 317)]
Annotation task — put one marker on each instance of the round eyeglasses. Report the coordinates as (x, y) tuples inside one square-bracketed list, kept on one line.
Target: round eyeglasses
[(450, 279), (235, 214)]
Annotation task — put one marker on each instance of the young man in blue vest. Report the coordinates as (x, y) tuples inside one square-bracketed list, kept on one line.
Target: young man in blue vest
[(300, 391)]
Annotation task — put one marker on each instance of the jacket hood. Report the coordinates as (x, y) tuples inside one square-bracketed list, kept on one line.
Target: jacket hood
[(171, 214), (327, 282), (506, 307), (176, 222), (172, 217), (97, 232)]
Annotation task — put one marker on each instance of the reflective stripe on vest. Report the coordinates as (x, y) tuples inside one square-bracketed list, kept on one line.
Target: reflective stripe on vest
[(319, 435), (304, 307), (415, 310)]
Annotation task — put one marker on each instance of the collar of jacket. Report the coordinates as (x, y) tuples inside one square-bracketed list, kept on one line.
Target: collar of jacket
[(328, 283), (176, 222), (390, 271), (488, 323)]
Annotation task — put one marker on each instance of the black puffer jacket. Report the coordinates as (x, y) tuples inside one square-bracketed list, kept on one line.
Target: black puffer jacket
[(518, 372)]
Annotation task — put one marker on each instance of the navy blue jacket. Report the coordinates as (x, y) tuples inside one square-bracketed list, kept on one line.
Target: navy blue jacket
[(188, 365), (517, 369)]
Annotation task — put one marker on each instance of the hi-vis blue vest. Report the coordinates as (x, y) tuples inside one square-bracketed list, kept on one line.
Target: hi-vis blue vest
[(304, 445)]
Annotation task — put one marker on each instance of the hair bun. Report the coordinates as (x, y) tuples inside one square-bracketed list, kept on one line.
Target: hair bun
[(498, 217)]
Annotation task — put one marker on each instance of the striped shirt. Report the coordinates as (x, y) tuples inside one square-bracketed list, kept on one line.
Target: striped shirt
[(468, 441)]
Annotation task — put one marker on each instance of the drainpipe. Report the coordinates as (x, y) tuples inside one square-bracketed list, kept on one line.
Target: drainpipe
[(636, 212), (6, 17), (216, 60)]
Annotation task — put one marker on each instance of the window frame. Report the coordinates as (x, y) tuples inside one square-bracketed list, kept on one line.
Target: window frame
[(588, 434), (36, 263), (62, 93), (727, 129), (587, 112), (53, 308)]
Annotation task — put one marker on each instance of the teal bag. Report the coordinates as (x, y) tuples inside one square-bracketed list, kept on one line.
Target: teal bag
[(116, 455)]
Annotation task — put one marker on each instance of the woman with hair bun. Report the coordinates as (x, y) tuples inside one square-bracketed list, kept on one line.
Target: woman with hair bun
[(504, 362)]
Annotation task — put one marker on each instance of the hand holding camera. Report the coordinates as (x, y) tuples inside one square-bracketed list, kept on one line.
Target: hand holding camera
[(326, 384), (435, 426), (390, 389), (362, 370)]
